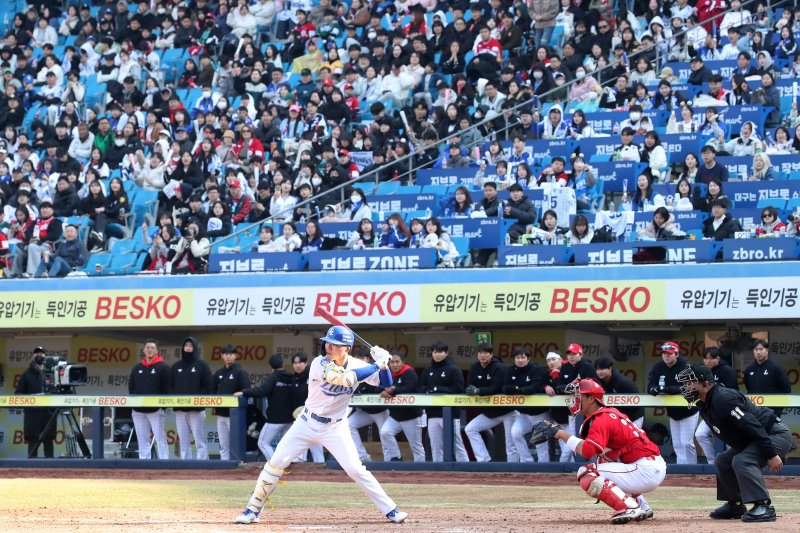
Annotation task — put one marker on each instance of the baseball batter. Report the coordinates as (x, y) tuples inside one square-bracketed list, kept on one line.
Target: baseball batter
[(332, 380), (629, 463)]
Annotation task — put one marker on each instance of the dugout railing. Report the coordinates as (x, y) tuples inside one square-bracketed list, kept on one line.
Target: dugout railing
[(96, 409)]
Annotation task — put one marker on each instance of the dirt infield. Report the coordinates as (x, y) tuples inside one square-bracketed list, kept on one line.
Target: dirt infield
[(315, 472), (357, 521), (526, 505)]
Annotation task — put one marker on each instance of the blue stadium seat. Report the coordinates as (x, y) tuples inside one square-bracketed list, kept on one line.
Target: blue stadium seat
[(409, 189), (777, 203), (440, 190), (123, 246), (103, 259), (122, 264), (388, 187), (462, 245), (793, 204)]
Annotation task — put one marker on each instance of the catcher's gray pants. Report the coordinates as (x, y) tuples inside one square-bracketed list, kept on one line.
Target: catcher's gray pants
[(739, 476), (268, 434), (224, 435), (682, 432), (144, 423), (522, 425), (483, 423), (359, 419), (435, 433), (192, 424), (413, 431)]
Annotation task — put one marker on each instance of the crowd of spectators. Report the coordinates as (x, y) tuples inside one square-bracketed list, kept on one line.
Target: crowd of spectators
[(265, 101)]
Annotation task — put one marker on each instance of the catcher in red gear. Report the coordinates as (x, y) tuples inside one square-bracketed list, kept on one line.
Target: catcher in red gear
[(629, 464)]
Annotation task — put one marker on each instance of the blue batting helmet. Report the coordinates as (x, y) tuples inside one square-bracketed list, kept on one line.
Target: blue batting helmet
[(339, 335)]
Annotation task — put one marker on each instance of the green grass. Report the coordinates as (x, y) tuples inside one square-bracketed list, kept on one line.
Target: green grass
[(99, 493)]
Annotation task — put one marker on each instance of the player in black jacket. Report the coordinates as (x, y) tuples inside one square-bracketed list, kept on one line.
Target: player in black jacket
[(150, 376), (614, 382), (485, 378), (191, 376), (364, 416), (764, 376), (526, 378), (555, 384), (682, 421), (408, 419), (443, 377), (229, 379), (757, 438), (576, 367), (723, 375), (277, 389)]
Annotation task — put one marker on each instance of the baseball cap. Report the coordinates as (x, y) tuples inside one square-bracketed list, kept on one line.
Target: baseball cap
[(305, 72), (39, 349), (235, 184), (228, 348), (574, 348), (229, 133), (350, 27), (343, 153), (552, 355), (294, 107), (328, 83), (697, 58), (670, 346), (27, 78), (348, 86)]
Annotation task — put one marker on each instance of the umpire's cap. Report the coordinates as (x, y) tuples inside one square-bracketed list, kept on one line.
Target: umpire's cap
[(339, 335)]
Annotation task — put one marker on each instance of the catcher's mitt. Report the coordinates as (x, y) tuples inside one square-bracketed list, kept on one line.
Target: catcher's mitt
[(542, 431)]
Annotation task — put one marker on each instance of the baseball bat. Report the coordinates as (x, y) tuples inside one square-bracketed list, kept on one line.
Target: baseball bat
[(336, 322)]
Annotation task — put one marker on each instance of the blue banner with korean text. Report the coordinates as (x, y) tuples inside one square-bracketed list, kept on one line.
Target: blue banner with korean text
[(396, 203), (768, 249), (335, 230), (748, 194), (687, 251), (614, 173), (533, 255), (488, 232), (375, 259), (447, 176), (684, 220), (256, 262)]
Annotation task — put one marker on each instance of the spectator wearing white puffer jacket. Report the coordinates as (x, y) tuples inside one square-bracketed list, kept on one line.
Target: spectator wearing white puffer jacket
[(264, 12), (241, 21)]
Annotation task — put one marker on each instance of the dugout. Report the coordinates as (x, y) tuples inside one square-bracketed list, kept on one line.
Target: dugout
[(621, 311)]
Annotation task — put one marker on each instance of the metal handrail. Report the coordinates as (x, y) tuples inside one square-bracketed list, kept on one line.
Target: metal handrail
[(439, 143)]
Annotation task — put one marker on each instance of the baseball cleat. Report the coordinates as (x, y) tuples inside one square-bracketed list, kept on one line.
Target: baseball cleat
[(623, 517), (648, 513), (761, 512), (397, 516), (728, 511), (247, 517)]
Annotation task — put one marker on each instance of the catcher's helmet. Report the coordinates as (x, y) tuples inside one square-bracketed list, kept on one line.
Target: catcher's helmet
[(583, 386), (339, 335)]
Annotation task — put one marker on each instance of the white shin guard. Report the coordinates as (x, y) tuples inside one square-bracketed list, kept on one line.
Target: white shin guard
[(267, 481)]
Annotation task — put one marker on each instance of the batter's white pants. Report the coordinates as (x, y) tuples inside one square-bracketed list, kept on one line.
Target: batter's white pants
[(435, 433), (360, 419), (305, 433), (192, 424), (683, 439), (484, 423), (522, 425), (413, 432), (268, 434), (645, 475), (224, 435), (144, 424), (705, 437)]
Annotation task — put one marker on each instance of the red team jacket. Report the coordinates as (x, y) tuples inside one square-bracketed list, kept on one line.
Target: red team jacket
[(608, 428)]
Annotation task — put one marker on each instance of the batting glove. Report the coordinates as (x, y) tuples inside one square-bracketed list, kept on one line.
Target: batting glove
[(381, 357)]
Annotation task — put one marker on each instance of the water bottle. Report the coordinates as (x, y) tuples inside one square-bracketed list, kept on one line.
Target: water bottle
[(662, 382), (508, 240), (616, 128), (427, 213), (611, 206), (500, 209)]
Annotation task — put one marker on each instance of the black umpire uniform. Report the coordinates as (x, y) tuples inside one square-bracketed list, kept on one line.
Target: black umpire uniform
[(755, 435)]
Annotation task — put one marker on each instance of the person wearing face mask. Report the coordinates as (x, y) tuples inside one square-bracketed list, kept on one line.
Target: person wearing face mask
[(358, 209), (35, 419), (191, 376), (206, 103), (585, 90)]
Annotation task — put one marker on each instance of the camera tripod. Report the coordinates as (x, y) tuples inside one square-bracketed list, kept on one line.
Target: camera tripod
[(73, 436)]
